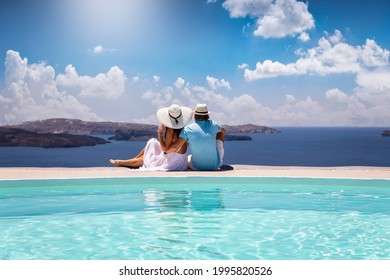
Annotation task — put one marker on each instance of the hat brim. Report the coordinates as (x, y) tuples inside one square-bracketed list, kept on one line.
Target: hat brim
[(183, 120), (201, 113)]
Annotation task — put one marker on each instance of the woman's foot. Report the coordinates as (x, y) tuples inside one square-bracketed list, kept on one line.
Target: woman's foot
[(115, 162)]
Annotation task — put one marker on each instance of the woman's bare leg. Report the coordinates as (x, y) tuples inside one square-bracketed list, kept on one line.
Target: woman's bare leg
[(141, 154), (135, 162)]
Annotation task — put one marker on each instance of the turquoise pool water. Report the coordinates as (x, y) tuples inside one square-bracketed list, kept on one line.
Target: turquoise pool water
[(195, 218)]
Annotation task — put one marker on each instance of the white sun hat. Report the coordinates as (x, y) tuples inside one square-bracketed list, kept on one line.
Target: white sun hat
[(201, 109), (174, 116)]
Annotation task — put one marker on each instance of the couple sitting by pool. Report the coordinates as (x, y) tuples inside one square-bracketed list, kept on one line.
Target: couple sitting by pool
[(169, 151)]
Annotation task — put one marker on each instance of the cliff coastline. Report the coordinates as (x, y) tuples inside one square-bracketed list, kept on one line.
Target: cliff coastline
[(52, 133)]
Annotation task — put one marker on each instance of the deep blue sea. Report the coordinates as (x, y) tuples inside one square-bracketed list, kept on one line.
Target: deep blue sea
[(293, 146)]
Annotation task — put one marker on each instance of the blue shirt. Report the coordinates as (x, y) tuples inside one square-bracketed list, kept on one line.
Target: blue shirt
[(201, 137)]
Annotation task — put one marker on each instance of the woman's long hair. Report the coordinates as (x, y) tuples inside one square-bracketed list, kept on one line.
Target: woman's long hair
[(177, 131)]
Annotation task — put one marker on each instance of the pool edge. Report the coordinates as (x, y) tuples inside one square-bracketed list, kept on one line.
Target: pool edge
[(345, 172)]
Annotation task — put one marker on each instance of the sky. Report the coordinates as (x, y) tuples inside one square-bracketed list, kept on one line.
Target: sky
[(265, 62)]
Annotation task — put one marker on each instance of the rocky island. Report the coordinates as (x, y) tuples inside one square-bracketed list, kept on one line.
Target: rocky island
[(249, 128), (62, 132), (10, 137), (79, 127)]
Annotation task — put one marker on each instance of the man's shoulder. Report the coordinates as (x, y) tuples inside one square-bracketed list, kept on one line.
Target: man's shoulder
[(215, 124), (190, 126)]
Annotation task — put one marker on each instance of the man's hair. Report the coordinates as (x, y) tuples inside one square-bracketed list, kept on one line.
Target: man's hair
[(201, 117)]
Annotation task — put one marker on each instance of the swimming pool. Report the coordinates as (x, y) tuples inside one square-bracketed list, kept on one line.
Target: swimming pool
[(195, 218)]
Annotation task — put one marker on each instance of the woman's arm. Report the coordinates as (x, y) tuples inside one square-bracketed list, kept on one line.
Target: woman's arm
[(165, 143), (176, 146)]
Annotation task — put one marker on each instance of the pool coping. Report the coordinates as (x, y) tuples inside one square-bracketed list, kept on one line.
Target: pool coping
[(347, 172)]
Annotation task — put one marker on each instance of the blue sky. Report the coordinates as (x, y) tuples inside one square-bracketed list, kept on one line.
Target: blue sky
[(267, 62)]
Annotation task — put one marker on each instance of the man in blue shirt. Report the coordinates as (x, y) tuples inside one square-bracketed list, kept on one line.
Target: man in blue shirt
[(205, 139)]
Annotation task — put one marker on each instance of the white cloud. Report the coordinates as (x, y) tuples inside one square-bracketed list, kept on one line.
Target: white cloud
[(290, 98), (110, 85), (159, 98), (351, 110), (374, 86), (304, 37), (135, 79), (270, 69), (179, 83), (341, 109), (215, 83), (100, 49), (329, 57), (337, 37), (149, 94), (238, 109), (156, 78), (362, 108), (373, 55), (243, 8), (275, 18), (246, 29), (243, 66), (31, 93), (337, 95), (302, 112)]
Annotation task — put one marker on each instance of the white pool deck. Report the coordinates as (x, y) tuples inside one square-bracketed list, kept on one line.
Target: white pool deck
[(356, 172)]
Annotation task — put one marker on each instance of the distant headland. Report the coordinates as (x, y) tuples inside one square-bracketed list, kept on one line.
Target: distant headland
[(61, 132), (11, 137)]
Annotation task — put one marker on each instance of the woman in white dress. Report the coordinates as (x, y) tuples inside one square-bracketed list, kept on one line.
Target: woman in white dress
[(153, 157)]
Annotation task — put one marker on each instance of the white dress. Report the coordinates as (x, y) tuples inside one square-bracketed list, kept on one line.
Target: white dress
[(156, 160)]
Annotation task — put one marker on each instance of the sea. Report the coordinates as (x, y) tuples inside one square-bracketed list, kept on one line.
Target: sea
[(293, 146)]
